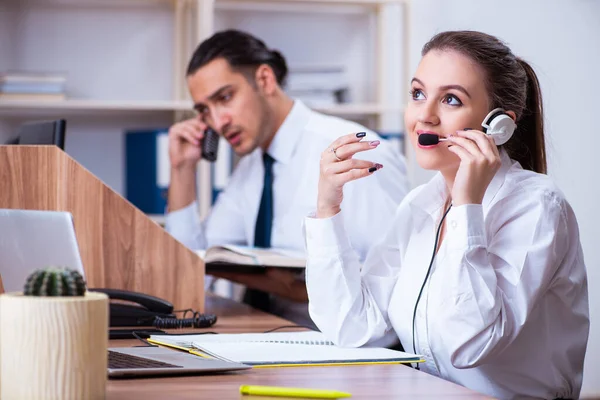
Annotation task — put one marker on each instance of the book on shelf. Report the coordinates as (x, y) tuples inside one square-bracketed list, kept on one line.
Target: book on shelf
[(29, 86), (281, 349), (32, 97), (318, 85), (250, 259), (32, 77)]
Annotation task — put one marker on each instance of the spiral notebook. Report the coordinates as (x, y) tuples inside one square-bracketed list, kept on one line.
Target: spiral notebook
[(279, 349)]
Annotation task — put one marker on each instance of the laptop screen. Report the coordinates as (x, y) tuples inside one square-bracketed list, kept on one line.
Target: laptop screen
[(34, 239)]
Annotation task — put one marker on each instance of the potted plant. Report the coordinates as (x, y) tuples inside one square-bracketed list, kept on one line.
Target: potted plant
[(53, 338)]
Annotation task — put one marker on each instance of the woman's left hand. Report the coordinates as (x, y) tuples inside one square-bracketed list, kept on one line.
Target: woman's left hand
[(479, 161)]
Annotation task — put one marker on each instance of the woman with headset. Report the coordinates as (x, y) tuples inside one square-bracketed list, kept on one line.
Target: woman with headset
[(482, 273)]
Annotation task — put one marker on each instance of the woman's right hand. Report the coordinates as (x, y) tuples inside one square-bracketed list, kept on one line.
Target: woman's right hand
[(338, 167), (184, 143)]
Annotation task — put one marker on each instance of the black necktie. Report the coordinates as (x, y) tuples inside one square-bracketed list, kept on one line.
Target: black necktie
[(264, 221), (262, 231)]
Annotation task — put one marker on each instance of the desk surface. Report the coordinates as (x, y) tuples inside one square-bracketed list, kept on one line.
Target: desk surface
[(364, 382)]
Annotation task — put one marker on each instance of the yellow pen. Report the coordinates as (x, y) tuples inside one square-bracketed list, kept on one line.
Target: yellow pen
[(292, 392)]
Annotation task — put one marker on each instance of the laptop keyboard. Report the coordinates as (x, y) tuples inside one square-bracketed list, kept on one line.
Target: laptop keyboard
[(126, 361)]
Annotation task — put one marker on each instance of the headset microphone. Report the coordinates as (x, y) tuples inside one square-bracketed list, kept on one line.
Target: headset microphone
[(498, 124), (430, 139)]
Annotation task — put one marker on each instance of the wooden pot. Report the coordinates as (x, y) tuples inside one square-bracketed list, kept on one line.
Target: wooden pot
[(53, 347)]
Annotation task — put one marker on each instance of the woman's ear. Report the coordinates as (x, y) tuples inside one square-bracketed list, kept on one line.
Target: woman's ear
[(266, 81), (512, 115)]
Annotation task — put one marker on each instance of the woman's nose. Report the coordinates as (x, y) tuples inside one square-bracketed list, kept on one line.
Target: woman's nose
[(429, 115)]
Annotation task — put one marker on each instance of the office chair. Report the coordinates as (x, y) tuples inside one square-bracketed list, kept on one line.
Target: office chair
[(42, 133)]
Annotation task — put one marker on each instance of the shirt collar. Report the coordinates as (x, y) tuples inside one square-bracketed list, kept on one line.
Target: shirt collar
[(433, 195), (288, 135)]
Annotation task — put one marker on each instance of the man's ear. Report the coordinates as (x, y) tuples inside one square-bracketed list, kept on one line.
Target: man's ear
[(266, 81)]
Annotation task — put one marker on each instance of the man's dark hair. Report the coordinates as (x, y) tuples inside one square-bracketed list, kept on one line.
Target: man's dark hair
[(242, 51)]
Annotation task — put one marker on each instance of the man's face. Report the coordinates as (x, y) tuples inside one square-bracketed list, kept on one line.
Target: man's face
[(230, 104)]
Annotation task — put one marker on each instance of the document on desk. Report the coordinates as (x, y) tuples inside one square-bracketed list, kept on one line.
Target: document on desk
[(282, 349), (247, 259)]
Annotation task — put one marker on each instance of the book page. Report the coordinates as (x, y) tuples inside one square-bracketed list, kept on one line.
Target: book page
[(252, 256)]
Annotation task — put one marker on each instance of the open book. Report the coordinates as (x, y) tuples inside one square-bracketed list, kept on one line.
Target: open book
[(231, 258), (278, 349)]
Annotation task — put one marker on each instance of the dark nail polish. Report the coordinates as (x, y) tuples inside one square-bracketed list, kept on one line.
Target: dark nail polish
[(379, 166), (450, 145), (361, 134), (372, 169)]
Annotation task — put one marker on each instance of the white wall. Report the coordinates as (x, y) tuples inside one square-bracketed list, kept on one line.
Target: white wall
[(561, 40), (6, 29), (311, 38), (109, 53), (121, 52)]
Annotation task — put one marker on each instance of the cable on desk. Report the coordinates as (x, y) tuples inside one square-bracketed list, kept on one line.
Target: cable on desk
[(198, 320), (289, 326), (147, 343)]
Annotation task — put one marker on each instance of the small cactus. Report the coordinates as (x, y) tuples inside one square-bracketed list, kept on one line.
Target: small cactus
[(54, 281)]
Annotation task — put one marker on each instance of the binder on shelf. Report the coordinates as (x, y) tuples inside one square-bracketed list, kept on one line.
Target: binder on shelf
[(147, 167)]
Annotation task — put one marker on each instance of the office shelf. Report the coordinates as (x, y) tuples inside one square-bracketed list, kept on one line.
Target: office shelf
[(358, 109), (74, 107), (143, 42), (66, 108)]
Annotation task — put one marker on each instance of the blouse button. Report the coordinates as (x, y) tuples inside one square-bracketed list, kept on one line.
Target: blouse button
[(453, 224)]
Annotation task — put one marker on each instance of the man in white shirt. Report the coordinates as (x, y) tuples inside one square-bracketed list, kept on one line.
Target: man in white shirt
[(236, 84)]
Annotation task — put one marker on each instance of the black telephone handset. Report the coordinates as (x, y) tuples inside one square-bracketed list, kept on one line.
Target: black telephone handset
[(142, 313), (148, 310), (210, 145)]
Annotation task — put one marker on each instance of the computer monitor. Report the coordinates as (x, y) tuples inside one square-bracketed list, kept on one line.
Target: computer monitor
[(42, 133)]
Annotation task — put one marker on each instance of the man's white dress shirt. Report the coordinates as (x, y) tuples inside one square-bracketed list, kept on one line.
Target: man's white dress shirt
[(505, 308), (297, 148)]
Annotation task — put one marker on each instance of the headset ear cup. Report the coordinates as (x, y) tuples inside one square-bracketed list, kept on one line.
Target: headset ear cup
[(500, 125)]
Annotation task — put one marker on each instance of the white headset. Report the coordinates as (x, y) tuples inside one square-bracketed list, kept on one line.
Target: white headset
[(500, 125)]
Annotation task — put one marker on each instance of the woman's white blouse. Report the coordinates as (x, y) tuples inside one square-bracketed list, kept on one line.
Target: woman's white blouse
[(505, 308)]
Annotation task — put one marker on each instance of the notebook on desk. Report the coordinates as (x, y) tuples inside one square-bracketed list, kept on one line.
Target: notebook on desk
[(279, 349)]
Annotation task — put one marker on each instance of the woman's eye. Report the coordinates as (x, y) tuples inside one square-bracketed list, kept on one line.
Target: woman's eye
[(452, 100), (417, 94)]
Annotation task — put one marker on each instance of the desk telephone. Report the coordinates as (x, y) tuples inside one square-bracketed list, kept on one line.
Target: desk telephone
[(149, 311)]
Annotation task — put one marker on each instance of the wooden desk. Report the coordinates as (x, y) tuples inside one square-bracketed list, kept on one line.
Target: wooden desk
[(364, 382)]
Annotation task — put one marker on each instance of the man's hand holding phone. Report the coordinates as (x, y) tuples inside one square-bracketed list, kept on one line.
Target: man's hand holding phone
[(185, 140), (185, 150)]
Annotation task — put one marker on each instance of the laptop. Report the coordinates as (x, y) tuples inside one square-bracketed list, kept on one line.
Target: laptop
[(33, 239)]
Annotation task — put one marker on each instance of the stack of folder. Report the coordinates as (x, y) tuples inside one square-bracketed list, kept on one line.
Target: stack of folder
[(30, 86)]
